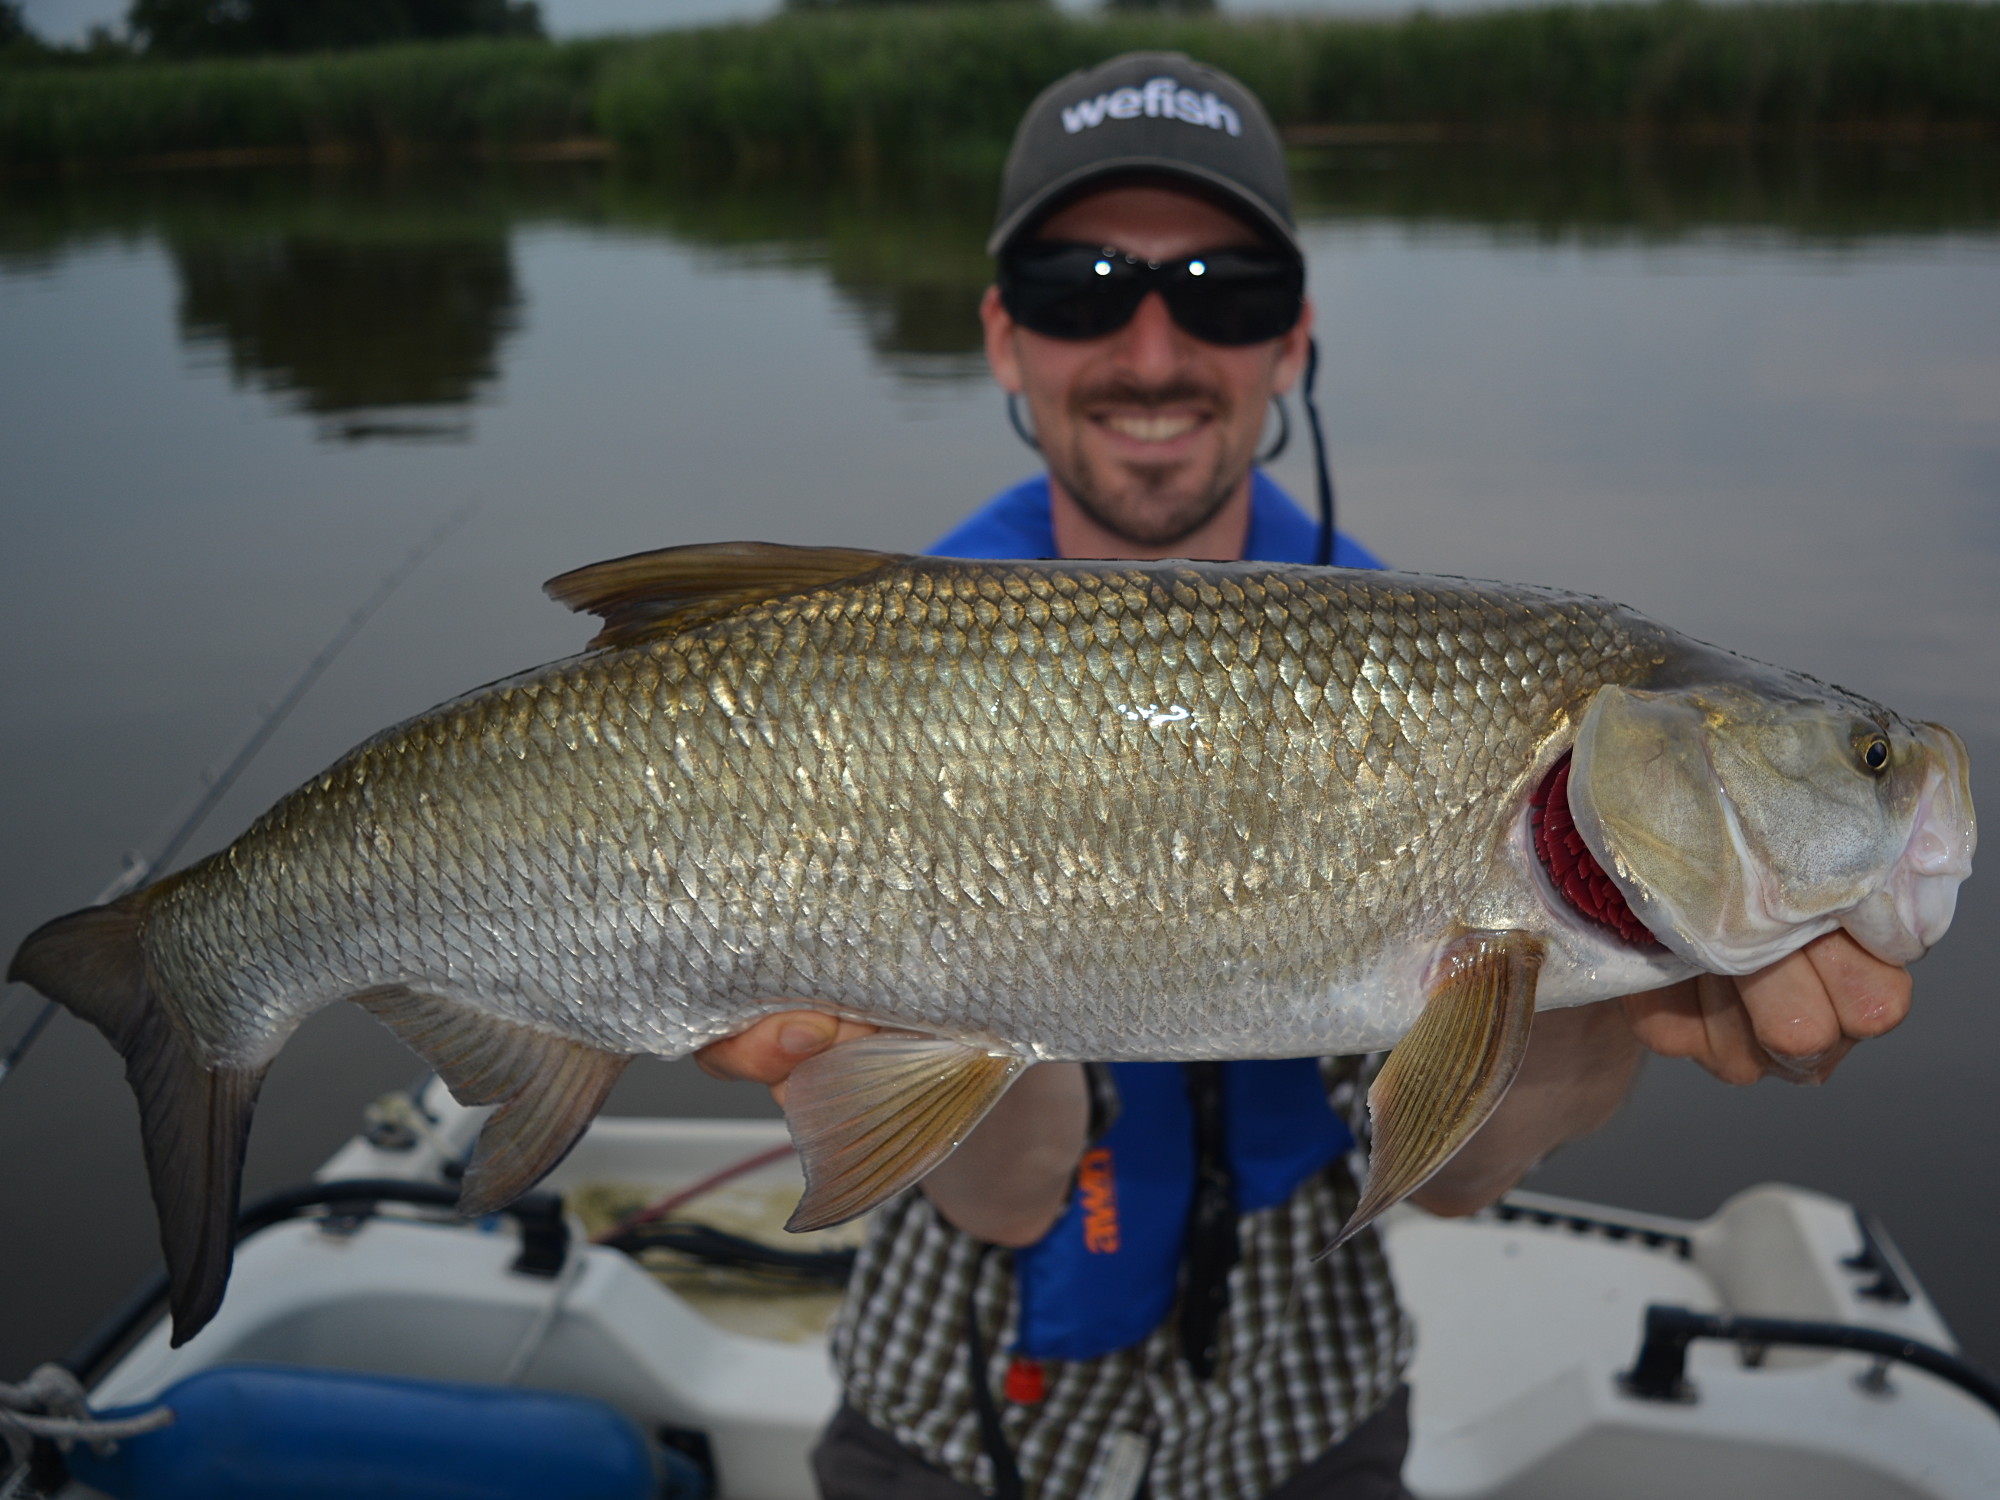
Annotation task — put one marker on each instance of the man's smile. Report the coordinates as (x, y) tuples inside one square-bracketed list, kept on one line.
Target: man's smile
[(1151, 427)]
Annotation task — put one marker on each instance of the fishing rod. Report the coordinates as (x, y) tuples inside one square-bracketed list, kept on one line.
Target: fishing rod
[(137, 868)]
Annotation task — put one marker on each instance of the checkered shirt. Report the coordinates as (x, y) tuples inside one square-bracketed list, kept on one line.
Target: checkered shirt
[(1307, 1350)]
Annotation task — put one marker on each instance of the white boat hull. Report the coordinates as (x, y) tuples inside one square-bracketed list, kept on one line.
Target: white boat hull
[(1524, 1328)]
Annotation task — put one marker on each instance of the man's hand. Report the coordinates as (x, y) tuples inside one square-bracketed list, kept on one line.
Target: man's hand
[(768, 1050), (1797, 1019), (1009, 1180)]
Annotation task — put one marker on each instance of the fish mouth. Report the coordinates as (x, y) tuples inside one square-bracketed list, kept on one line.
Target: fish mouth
[(1904, 918), (1573, 871)]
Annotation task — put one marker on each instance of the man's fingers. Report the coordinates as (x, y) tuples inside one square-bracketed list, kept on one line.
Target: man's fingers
[(1811, 1007), (1668, 1021), (1700, 1019), (1870, 997), (768, 1050), (1735, 1053), (1792, 1015), (1797, 1018)]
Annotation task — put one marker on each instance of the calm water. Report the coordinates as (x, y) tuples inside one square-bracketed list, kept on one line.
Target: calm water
[(1759, 398)]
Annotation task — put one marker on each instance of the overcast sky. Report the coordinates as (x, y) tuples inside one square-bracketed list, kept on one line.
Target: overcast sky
[(68, 20)]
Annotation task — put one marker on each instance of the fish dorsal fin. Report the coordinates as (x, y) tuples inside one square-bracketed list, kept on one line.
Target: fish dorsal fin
[(676, 588), (1449, 1074)]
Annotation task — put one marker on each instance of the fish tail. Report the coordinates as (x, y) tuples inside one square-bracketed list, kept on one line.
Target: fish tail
[(194, 1117)]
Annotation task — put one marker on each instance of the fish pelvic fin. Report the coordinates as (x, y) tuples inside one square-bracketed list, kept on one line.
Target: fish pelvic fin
[(651, 594), (1449, 1074), (194, 1118), (872, 1116), (548, 1088)]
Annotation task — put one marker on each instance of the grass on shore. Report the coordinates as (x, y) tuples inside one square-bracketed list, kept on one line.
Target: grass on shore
[(444, 97), (945, 84), (850, 87)]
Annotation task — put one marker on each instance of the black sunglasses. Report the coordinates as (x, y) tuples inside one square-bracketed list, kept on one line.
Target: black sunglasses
[(1078, 291)]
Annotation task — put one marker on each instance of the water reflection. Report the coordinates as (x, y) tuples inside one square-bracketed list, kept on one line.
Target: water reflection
[(378, 305), (377, 340), (381, 305), (908, 262), (1831, 196)]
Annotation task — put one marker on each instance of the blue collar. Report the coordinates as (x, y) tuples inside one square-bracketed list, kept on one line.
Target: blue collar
[(1017, 523)]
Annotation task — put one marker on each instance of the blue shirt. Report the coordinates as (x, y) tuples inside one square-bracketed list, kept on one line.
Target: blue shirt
[(1018, 522)]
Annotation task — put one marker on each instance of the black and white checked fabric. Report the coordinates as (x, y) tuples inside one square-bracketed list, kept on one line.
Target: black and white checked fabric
[(1308, 1351)]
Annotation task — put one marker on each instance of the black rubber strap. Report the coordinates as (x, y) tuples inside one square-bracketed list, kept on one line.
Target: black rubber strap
[(1212, 1244), (1106, 1104), (1320, 471), (992, 1437)]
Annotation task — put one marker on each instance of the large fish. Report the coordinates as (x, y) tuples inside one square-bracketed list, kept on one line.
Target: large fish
[(1013, 812)]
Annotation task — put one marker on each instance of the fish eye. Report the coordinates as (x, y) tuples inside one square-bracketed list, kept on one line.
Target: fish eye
[(1875, 754)]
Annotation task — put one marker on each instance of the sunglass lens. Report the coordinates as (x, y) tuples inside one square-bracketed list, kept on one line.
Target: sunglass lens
[(1073, 313), (1239, 315), (1059, 291), (1237, 297)]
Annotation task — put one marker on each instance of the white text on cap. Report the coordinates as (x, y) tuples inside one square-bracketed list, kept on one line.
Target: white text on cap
[(1162, 96)]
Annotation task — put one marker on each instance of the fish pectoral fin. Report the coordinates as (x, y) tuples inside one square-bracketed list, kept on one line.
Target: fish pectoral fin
[(676, 588), (870, 1117), (549, 1088), (1449, 1074)]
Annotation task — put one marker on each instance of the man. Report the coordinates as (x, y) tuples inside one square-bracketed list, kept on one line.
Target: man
[(1231, 1363)]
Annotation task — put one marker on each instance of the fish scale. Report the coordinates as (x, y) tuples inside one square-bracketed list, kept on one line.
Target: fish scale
[(1019, 811)]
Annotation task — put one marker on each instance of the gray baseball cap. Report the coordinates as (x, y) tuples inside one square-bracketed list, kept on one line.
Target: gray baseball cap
[(1146, 114)]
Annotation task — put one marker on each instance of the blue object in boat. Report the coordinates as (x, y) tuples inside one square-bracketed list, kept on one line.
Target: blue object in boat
[(263, 1432)]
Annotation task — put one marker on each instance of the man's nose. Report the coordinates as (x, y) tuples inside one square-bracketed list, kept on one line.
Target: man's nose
[(1150, 345)]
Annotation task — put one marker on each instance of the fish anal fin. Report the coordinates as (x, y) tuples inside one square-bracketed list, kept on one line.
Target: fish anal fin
[(194, 1116), (676, 588), (1447, 1076), (548, 1088), (870, 1117)]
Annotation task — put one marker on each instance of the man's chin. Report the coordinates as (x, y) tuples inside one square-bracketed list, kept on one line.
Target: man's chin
[(1151, 516)]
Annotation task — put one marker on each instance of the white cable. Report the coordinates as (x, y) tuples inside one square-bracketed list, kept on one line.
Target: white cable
[(545, 1320), (51, 1403)]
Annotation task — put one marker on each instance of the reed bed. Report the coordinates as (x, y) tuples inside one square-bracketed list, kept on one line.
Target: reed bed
[(864, 86), (459, 97), (868, 88)]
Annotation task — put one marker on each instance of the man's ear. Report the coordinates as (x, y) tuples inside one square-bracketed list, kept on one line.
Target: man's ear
[(1291, 352), (1000, 329)]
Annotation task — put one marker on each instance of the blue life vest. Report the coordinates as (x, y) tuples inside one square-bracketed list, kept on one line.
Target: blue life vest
[(1106, 1276)]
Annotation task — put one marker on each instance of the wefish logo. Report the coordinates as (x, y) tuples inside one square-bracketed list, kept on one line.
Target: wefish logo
[(1097, 1184), (1162, 97)]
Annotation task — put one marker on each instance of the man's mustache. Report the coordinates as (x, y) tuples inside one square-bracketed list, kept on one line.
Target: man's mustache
[(1122, 392)]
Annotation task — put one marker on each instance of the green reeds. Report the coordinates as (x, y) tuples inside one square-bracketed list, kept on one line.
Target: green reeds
[(448, 97), (860, 88)]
